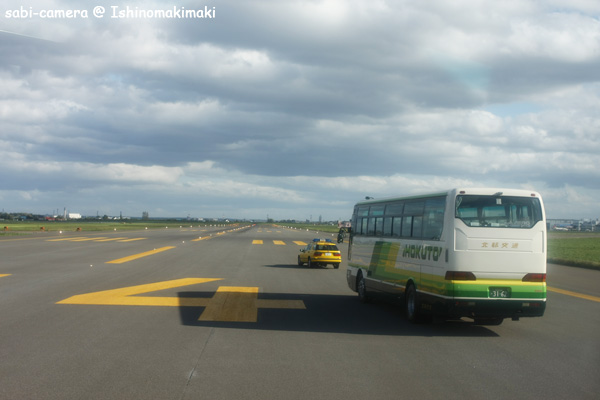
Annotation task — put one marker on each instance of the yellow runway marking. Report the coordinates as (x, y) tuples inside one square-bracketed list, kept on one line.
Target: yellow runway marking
[(229, 303), (201, 238), (574, 294), (126, 296), (232, 303), (282, 304), (299, 243), (95, 239), (140, 255), (61, 239), (3, 275), (257, 242), (279, 242)]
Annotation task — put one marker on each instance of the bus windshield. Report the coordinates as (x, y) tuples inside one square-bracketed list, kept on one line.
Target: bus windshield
[(498, 211)]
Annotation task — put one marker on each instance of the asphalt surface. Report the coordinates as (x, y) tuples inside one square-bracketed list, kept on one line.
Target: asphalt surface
[(203, 313)]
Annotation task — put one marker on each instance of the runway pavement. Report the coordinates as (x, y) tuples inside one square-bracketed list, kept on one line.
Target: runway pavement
[(218, 313)]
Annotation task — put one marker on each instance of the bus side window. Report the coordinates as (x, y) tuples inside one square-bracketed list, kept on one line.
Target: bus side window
[(362, 211), (433, 222), (371, 227), (363, 230), (397, 227), (379, 226), (407, 226), (412, 222), (433, 225), (417, 230), (387, 226)]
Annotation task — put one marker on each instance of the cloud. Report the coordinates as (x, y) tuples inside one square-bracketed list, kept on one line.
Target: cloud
[(303, 107)]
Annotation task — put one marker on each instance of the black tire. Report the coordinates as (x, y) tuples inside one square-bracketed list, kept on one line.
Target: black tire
[(309, 263), (336, 265), (361, 288), (412, 304), (300, 262)]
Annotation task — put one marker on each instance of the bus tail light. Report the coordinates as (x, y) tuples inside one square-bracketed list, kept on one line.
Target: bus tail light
[(460, 276), (534, 278)]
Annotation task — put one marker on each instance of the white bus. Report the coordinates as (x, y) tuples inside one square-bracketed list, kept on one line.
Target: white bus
[(477, 253)]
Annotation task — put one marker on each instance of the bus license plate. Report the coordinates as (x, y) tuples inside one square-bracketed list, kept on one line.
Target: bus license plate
[(499, 293)]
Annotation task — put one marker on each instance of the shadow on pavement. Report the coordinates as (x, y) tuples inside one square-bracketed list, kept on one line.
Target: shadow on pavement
[(331, 313), (296, 266)]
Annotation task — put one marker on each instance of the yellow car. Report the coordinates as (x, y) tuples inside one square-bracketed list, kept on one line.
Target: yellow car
[(319, 253)]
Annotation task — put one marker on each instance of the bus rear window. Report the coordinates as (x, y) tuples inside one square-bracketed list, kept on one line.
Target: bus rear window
[(498, 211)]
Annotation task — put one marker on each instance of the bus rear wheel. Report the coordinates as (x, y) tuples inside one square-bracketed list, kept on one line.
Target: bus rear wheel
[(412, 304), (361, 289)]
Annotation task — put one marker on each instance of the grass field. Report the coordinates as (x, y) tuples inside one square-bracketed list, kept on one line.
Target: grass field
[(11, 228), (574, 248)]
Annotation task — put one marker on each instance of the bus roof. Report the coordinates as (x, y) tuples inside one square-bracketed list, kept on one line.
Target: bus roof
[(388, 199), (481, 191)]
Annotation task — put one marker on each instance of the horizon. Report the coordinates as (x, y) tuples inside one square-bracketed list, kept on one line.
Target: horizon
[(296, 109)]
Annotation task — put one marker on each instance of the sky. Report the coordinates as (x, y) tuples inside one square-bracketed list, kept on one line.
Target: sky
[(295, 109)]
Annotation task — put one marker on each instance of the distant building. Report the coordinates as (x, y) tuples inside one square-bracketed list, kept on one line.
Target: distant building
[(74, 216), (586, 225)]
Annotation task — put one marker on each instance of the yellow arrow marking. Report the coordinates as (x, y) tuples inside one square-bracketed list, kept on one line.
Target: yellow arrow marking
[(241, 304), (125, 296), (140, 255), (230, 303)]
